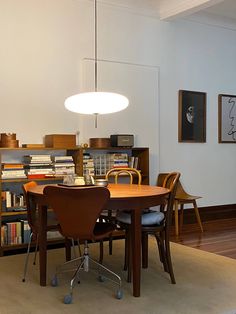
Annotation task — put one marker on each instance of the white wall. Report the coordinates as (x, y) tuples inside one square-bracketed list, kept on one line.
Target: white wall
[(43, 45), (202, 58), (41, 49)]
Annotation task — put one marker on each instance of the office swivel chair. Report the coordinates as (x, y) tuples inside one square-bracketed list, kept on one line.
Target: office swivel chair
[(79, 221)]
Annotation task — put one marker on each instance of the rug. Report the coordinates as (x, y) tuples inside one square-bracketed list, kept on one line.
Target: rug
[(205, 283)]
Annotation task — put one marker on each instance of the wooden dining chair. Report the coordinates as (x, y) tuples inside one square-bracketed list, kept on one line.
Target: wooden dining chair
[(33, 221), (118, 175), (182, 198), (156, 223), (32, 217), (79, 221)]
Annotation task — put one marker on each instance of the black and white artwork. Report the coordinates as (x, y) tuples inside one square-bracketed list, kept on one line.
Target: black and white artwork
[(227, 118), (192, 116)]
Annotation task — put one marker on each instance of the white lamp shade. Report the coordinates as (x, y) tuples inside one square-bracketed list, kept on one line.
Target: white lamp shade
[(96, 103)]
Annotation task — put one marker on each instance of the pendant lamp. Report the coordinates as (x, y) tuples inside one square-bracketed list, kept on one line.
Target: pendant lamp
[(96, 102)]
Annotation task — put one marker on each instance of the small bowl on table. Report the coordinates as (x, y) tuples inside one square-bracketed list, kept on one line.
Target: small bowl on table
[(101, 182)]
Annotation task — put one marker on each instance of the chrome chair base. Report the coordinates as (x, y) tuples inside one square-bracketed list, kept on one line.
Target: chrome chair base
[(83, 263)]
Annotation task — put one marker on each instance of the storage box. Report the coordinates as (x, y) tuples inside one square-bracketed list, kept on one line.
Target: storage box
[(60, 140), (8, 140), (99, 142)]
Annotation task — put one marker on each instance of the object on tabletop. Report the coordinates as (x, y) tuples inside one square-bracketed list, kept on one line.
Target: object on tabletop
[(122, 140), (99, 142), (8, 140), (101, 182), (60, 140)]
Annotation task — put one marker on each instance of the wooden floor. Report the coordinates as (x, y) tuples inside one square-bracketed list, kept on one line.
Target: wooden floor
[(219, 237)]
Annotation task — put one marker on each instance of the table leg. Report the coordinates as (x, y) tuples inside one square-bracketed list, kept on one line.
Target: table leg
[(42, 244), (136, 250)]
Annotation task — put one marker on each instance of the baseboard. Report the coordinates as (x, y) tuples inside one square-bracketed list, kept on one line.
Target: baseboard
[(210, 213)]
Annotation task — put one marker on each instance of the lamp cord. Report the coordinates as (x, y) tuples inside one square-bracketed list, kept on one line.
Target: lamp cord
[(95, 47)]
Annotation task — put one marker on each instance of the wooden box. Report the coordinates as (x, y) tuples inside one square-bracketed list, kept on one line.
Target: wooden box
[(60, 140), (99, 142)]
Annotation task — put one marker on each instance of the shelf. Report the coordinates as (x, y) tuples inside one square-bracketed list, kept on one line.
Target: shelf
[(14, 213), (24, 245), (38, 148), (26, 179)]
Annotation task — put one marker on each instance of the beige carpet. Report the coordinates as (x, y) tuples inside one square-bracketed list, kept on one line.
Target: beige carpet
[(206, 283)]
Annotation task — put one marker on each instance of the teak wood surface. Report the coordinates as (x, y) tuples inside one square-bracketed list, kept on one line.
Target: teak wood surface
[(123, 197)]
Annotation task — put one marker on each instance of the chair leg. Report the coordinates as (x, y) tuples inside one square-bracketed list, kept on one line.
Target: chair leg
[(101, 247), (161, 247), (144, 249), (176, 218), (68, 249), (197, 215), (126, 252), (168, 259), (36, 249), (129, 256), (27, 257), (110, 245), (181, 221)]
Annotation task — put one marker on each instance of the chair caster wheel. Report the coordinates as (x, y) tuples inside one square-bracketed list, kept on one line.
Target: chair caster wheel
[(54, 281), (101, 278), (119, 294), (68, 299), (23, 280)]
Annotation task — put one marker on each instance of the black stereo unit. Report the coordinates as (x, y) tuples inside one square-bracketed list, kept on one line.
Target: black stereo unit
[(122, 140)]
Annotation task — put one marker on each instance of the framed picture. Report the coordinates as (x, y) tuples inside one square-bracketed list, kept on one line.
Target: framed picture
[(192, 116), (226, 118)]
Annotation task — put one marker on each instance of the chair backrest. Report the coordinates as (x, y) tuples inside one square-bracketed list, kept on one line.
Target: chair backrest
[(31, 208), (117, 173), (77, 209), (170, 181), (180, 192)]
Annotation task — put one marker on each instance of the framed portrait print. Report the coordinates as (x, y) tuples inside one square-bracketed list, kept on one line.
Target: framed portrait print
[(226, 118), (192, 116)]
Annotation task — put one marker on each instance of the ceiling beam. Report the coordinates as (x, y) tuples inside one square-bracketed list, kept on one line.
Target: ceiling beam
[(172, 9)]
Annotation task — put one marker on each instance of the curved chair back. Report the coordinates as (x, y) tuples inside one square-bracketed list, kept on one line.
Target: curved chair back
[(77, 209), (119, 172), (31, 208), (170, 181)]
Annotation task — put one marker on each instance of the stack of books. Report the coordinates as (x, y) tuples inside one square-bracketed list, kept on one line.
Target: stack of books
[(119, 160), (63, 165), (38, 166), (88, 165), (13, 171), (12, 201)]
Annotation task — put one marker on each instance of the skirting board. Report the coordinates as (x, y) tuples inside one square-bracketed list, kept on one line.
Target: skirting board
[(211, 213)]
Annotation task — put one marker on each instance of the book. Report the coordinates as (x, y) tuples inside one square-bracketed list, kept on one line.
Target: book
[(33, 145), (36, 176), (6, 166)]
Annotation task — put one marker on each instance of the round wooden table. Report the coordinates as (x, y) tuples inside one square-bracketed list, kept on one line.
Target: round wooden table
[(123, 197)]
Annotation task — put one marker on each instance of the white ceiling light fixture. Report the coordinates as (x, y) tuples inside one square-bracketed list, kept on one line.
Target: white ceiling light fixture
[(96, 102)]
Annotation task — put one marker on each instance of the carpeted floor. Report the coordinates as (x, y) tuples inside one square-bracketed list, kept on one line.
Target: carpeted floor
[(206, 283)]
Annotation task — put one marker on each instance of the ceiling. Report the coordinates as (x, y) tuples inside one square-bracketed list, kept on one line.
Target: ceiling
[(172, 9)]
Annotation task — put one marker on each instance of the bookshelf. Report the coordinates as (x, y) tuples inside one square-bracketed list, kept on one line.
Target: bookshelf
[(105, 158), (13, 216)]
